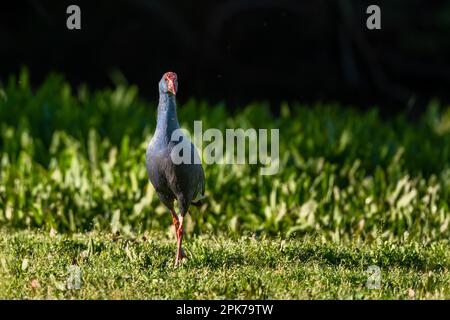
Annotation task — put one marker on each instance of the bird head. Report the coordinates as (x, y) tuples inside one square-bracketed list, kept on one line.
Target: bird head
[(169, 83)]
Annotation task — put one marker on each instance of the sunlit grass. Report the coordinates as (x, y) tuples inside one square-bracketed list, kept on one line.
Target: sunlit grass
[(74, 160), (141, 267), (354, 190)]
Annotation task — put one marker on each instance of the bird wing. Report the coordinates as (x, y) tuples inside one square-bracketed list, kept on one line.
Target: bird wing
[(200, 192)]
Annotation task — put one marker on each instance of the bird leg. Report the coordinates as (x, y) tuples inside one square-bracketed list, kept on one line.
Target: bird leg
[(176, 223), (180, 230)]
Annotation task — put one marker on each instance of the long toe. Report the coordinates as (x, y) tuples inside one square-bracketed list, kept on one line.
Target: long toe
[(177, 261)]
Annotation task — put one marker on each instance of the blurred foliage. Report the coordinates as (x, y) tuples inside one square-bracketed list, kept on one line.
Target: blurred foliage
[(75, 161)]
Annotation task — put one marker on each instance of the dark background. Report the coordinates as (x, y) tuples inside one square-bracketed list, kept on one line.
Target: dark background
[(241, 51)]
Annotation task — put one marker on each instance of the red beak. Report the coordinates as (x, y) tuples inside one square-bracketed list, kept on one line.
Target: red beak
[(171, 86), (171, 77)]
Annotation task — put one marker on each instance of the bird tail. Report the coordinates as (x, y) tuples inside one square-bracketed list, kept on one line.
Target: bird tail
[(198, 202)]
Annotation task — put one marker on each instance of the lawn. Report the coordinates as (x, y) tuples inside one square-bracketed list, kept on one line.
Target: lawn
[(354, 190), (36, 265)]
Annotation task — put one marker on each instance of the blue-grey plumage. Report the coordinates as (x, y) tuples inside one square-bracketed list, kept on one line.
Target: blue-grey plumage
[(184, 182)]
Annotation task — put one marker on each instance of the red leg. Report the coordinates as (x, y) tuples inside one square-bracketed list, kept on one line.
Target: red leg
[(176, 223), (179, 242)]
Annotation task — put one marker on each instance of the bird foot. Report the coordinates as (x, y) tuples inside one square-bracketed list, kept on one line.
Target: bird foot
[(178, 262), (180, 257)]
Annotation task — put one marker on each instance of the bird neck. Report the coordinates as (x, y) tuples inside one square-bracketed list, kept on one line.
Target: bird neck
[(167, 120)]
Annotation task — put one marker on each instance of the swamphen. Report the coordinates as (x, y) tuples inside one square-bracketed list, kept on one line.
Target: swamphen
[(184, 182)]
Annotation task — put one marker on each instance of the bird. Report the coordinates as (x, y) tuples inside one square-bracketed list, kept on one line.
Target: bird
[(185, 181)]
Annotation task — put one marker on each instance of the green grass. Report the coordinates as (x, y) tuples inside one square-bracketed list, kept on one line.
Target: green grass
[(75, 161), (115, 267), (353, 190)]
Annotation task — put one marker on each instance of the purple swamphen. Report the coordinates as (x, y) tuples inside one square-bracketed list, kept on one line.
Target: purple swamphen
[(185, 181)]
